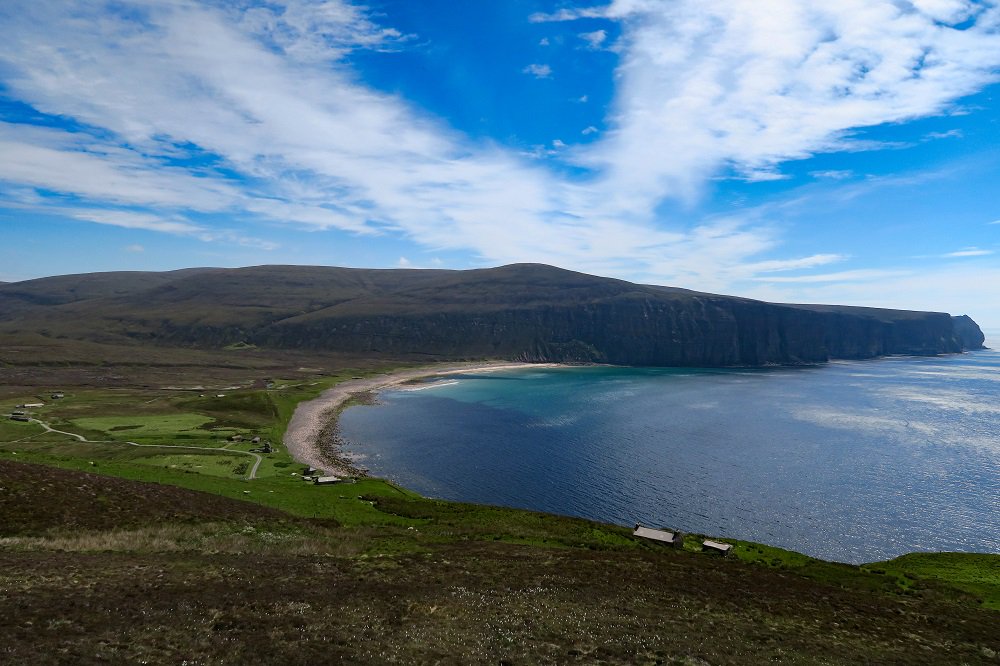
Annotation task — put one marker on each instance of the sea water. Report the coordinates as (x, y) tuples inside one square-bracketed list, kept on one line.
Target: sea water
[(853, 461)]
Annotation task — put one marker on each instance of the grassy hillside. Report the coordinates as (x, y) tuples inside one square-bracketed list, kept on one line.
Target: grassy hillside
[(408, 580), (522, 311), (110, 552)]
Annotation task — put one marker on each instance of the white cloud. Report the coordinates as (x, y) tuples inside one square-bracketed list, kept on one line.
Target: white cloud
[(842, 276), (544, 41), (568, 15), (832, 174), (404, 262), (968, 252), (135, 248), (590, 129), (582, 99), (294, 137), (594, 39), (950, 134), (795, 264), (538, 71), (959, 288), (132, 220), (744, 86)]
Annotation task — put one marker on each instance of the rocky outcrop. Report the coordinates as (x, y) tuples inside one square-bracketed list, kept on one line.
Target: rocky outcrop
[(968, 332)]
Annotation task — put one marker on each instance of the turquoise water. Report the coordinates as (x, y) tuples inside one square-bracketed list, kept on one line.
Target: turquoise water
[(852, 461)]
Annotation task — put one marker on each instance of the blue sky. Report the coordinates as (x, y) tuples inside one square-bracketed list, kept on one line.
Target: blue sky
[(841, 152)]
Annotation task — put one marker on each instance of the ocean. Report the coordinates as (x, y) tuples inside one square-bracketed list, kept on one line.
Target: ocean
[(854, 461)]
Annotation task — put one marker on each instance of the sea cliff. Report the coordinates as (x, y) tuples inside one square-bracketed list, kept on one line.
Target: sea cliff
[(525, 312)]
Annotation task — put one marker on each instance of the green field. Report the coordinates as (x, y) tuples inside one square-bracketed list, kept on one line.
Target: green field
[(283, 571)]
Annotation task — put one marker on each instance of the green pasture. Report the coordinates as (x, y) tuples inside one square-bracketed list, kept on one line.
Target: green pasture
[(406, 521), (164, 426)]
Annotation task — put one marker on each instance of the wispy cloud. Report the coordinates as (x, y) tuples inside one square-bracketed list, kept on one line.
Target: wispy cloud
[(135, 248), (250, 111), (842, 276), (950, 134), (538, 71), (732, 85), (594, 39), (832, 174), (968, 252)]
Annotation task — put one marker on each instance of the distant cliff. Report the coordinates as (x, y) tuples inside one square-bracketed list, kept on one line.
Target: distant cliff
[(968, 332), (523, 311)]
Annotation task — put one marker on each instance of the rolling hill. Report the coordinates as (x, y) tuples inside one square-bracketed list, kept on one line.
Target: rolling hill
[(522, 311)]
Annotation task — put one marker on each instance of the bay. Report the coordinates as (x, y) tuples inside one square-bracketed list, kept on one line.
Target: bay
[(851, 461)]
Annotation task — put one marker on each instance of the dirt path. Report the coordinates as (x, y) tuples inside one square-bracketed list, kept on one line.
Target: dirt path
[(311, 417), (251, 475)]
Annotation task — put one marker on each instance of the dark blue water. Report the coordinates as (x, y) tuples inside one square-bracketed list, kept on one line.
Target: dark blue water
[(851, 461)]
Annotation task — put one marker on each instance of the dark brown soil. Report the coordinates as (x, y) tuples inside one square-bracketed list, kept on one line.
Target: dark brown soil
[(461, 603)]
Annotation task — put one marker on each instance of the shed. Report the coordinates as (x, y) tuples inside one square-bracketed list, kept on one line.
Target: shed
[(19, 417), (325, 480), (58, 396), (236, 438), (32, 405), (717, 547), (17, 413), (255, 440), (662, 536)]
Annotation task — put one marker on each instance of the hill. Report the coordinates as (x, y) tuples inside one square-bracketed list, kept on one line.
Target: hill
[(422, 581), (523, 311)]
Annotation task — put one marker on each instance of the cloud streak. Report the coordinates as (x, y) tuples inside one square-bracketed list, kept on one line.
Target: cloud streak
[(250, 112)]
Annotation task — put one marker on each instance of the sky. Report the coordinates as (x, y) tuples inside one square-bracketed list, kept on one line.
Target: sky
[(785, 150)]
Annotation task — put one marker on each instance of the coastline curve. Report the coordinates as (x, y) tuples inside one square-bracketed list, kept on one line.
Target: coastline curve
[(303, 436)]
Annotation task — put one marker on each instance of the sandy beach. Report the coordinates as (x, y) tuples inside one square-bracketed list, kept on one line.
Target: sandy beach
[(311, 418)]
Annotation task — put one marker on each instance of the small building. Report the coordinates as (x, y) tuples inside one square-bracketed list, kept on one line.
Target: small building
[(326, 480), (236, 438), (31, 405), (661, 536), (58, 396), (255, 440), (17, 413), (19, 417), (310, 471), (717, 547)]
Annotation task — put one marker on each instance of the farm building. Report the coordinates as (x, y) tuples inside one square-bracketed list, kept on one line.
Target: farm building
[(661, 536), (717, 547), (326, 480)]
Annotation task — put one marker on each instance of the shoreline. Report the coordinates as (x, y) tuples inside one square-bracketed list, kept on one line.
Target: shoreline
[(315, 418)]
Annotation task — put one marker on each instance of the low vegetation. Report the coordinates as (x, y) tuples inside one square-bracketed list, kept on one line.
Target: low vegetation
[(123, 554)]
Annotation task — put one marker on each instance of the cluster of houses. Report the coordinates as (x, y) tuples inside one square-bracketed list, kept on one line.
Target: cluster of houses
[(263, 446), (23, 411), (676, 539), (311, 474)]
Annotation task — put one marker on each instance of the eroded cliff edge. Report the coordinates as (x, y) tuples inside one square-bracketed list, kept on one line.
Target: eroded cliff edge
[(525, 312)]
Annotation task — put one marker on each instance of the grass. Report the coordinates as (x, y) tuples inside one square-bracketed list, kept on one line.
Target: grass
[(975, 573), (164, 426), (96, 564), (219, 464), (167, 575)]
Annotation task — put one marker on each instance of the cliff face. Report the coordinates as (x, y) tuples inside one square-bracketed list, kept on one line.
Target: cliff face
[(525, 312), (968, 332), (697, 331)]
